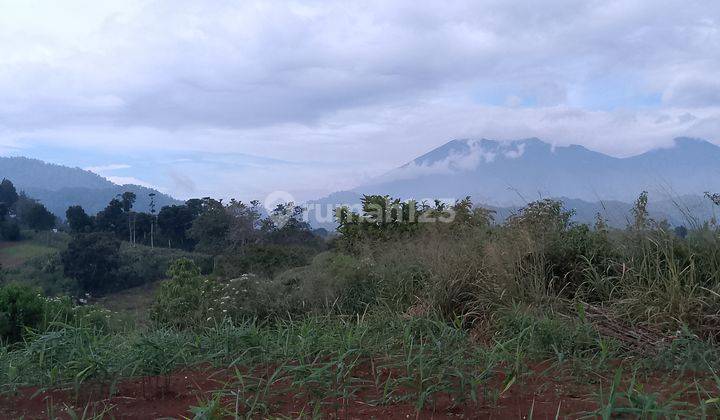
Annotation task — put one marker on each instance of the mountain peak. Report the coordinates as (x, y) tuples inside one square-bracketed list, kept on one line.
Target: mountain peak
[(691, 142), (501, 171)]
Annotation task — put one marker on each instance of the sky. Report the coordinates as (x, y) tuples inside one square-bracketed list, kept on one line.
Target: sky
[(242, 98)]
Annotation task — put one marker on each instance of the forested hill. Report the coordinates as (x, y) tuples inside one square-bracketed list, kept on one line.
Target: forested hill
[(59, 187)]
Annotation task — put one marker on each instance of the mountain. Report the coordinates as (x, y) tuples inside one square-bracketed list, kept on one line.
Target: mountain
[(506, 175), (511, 173), (59, 187)]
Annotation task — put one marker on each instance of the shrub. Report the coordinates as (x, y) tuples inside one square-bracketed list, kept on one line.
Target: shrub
[(20, 307), (183, 301), (93, 260), (338, 282), (265, 260), (141, 264), (23, 309), (44, 272), (10, 231)]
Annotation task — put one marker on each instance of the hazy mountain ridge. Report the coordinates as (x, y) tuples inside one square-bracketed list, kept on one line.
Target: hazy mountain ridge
[(512, 173), (59, 187), (506, 175)]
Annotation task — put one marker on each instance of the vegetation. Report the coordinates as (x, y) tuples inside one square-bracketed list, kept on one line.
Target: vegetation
[(394, 311)]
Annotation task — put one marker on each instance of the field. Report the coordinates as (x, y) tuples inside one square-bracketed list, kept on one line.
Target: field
[(533, 318), (347, 368), (15, 254)]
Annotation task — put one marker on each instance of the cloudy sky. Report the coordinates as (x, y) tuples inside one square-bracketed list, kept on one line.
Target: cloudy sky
[(240, 98)]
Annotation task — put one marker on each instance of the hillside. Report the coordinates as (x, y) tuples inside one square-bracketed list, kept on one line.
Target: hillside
[(59, 187)]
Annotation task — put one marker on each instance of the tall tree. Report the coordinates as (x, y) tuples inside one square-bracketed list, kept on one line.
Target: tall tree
[(113, 218), (210, 229), (37, 217), (128, 199), (78, 220), (174, 221), (8, 194)]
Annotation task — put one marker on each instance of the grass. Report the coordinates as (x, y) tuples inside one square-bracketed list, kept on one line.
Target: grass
[(15, 254), (442, 319), (326, 361), (131, 303)]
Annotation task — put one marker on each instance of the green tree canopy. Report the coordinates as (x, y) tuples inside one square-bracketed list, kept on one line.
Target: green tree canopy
[(93, 260), (78, 220), (8, 194)]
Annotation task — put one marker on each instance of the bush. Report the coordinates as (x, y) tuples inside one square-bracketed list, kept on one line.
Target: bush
[(93, 260), (141, 264), (10, 231), (20, 307), (337, 282), (183, 301), (264, 260), (44, 272), (332, 283), (24, 309)]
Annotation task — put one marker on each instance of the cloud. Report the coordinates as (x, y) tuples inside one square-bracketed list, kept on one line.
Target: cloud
[(478, 152), (107, 168), (333, 93), (124, 180), (700, 91)]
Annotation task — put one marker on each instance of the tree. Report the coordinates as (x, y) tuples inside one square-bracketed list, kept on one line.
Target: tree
[(640, 212), (78, 220), (9, 230), (127, 199), (174, 221), (182, 301), (142, 227), (286, 226), (8, 194), (112, 218), (37, 217), (244, 223), (210, 229), (93, 260)]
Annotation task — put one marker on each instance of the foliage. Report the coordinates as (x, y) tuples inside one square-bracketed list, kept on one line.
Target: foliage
[(263, 259), (141, 264), (9, 230), (37, 217), (77, 219), (174, 221), (8, 194), (24, 310), (434, 312), (211, 227), (20, 307), (183, 300), (93, 260)]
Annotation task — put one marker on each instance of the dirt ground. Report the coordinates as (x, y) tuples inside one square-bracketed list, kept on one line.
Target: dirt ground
[(148, 398), (543, 392)]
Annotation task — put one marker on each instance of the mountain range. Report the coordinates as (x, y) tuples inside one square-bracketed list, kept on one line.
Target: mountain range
[(506, 175), (503, 176), (59, 187), (509, 173)]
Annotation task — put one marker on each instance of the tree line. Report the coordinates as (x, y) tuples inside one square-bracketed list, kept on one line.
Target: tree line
[(239, 236), (18, 210)]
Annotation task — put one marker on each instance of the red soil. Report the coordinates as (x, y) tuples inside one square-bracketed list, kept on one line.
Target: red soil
[(147, 398)]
